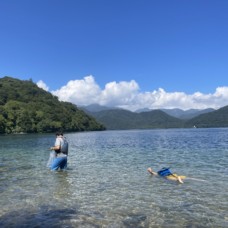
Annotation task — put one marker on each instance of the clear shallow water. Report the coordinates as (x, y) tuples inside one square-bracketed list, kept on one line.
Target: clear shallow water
[(107, 184)]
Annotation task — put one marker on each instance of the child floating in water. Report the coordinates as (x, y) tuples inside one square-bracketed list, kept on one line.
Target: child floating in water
[(165, 172)]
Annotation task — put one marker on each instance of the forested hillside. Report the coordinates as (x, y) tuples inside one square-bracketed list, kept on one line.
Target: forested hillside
[(117, 119), (123, 119), (218, 118), (24, 107)]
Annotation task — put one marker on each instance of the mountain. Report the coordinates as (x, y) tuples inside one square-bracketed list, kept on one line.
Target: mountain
[(181, 114), (217, 118), (95, 108), (143, 110), (24, 107), (117, 119), (191, 113), (123, 119)]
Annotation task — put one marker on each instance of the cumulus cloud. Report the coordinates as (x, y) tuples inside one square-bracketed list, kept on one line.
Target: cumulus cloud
[(87, 91), (117, 94), (42, 85), (80, 92), (127, 95)]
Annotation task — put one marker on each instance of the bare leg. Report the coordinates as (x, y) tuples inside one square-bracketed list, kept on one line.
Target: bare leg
[(179, 180)]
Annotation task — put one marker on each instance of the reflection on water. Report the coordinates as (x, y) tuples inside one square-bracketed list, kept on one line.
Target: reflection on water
[(107, 184)]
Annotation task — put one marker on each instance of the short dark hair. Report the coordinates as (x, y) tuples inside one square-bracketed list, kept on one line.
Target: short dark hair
[(59, 133)]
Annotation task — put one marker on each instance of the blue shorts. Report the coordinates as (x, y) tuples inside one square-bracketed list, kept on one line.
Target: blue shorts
[(59, 163)]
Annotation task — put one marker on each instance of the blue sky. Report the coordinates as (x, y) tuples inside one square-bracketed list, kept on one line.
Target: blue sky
[(153, 50)]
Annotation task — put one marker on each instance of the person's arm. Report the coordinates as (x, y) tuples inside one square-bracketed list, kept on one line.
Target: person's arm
[(55, 148), (57, 145), (151, 171)]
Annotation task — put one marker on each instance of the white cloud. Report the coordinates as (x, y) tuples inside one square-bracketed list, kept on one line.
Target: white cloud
[(42, 85), (127, 95), (80, 92), (117, 94)]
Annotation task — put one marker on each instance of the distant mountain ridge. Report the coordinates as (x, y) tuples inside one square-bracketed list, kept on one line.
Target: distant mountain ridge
[(175, 112), (96, 108), (164, 118), (187, 114), (123, 119)]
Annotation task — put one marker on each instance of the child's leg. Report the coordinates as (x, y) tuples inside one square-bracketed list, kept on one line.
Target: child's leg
[(179, 180)]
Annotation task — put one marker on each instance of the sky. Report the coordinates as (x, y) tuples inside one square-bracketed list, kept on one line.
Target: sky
[(132, 54)]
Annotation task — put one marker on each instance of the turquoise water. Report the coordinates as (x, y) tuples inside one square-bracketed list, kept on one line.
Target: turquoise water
[(107, 184)]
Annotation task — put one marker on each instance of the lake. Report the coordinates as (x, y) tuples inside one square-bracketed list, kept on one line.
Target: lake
[(107, 183)]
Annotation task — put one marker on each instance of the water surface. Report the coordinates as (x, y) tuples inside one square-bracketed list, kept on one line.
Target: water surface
[(107, 185)]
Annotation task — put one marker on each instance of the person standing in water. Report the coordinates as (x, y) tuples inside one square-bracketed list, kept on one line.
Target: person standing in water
[(59, 157)]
